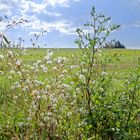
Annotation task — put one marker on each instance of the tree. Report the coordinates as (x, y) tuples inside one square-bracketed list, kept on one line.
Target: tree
[(114, 44)]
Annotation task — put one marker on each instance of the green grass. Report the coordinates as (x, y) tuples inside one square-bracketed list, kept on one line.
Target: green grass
[(117, 59), (119, 64)]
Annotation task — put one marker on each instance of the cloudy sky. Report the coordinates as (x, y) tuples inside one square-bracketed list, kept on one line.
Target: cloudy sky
[(61, 18)]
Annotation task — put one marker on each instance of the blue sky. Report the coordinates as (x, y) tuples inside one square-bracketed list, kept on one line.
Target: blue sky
[(61, 18)]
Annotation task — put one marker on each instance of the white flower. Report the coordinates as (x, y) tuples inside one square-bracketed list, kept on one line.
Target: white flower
[(85, 70), (48, 57), (61, 76), (1, 73), (12, 87), (41, 66), (20, 124), (61, 60), (1, 57), (19, 73), (83, 63), (104, 73), (25, 88), (38, 83), (48, 86), (28, 81), (93, 82), (64, 71), (35, 65), (82, 78), (34, 92), (72, 67), (38, 62), (17, 84), (10, 54), (10, 77), (71, 83), (18, 63), (45, 69), (65, 86), (54, 68), (49, 62)]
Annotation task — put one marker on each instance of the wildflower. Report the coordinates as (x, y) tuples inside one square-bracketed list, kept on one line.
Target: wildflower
[(1, 73), (82, 78), (48, 56), (41, 66), (17, 84), (93, 82), (18, 63), (10, 54), (104, 73), (45, 69), (35, 65), (83, 63), (1, 57), (64, 71), (48, 86), (34, 92), (13, 87), (54, 68), (60, 60), (65, 86), (19, 73), (72, 67), (38, 83), (20, 124), (85, 70), (61, 76), (28, 81), (38, 62), (10, 77), (25, 88), (69, 114), (71, 83), (49, 62)]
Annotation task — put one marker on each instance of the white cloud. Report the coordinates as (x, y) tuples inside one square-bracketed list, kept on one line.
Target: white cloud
[(5, 8), (63, 26), (31, 6), (25, 7), (30, 9), (63, 3), (134, 25), (53, 3)]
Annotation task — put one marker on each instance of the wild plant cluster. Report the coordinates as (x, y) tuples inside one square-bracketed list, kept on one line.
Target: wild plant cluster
[(60, 98)]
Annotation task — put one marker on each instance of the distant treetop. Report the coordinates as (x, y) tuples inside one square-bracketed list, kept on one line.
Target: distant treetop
[(114, 44)]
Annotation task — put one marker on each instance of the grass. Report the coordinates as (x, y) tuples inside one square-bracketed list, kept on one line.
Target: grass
[(119, 64), (124, 60)]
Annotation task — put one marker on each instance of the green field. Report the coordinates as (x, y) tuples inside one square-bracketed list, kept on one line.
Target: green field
[(53, 103)]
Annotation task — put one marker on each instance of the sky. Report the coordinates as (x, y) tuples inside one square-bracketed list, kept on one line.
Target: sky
[(61, 18)]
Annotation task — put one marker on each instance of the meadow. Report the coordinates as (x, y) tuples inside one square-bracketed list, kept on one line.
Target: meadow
[(14, 102), (89, 93)]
